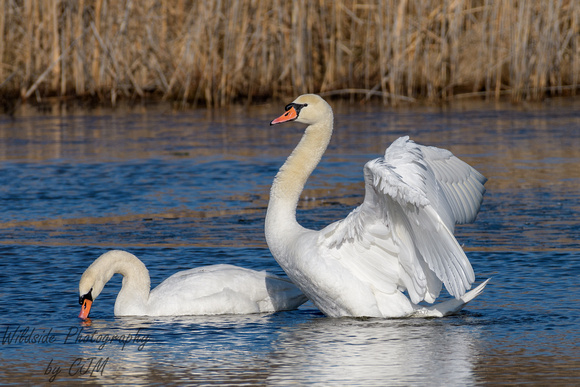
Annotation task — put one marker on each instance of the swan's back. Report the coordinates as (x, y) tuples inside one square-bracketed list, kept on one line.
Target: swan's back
[(223, 289)]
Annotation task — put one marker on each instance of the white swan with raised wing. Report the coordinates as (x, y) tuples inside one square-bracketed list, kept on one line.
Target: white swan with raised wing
[(399, 239), (207, 290)]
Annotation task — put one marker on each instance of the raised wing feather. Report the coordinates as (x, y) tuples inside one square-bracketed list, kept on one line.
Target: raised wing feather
[(402, 234), (461, 184)]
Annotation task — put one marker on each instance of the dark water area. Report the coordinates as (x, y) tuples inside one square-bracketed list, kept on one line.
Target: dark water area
[(190, 188)]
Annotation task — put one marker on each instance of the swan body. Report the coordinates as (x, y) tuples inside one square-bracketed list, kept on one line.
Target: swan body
[(400, 239), (208, 290)]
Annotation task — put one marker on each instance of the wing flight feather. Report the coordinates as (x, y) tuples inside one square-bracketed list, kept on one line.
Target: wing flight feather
[(414, 196)]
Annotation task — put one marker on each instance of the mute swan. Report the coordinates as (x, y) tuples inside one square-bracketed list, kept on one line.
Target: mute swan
[(400, 238), (216, 289)]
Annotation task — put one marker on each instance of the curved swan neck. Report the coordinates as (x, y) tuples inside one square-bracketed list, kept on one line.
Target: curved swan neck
[(290, 180), (136, 280)]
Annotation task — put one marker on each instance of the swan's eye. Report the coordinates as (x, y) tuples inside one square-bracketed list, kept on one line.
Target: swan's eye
[(296, 106), (88, 296)]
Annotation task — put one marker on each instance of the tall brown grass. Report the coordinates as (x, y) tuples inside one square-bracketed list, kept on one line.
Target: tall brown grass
[(219, 52)]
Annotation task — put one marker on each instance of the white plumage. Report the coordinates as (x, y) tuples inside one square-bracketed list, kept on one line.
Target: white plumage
[(207, 290), (399, 239)]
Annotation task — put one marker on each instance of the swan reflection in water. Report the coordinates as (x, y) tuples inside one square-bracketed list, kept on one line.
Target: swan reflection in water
[(344, 351), (350, 351)]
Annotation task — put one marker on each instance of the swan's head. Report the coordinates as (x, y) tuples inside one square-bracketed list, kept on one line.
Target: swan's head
[(308, 109), (89, 289), (93, 281)]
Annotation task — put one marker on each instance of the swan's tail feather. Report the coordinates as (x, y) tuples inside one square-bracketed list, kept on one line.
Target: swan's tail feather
[(450, 306)]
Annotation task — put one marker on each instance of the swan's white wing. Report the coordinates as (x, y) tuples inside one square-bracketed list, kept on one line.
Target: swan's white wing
[(402, 234), (461, 184), (223, 289)]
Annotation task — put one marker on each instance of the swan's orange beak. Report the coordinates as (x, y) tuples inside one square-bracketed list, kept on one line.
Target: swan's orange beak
[(85, 309), (291, 114)]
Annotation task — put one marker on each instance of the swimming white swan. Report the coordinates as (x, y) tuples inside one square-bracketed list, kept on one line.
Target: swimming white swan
[(216, 289), (400, 238)]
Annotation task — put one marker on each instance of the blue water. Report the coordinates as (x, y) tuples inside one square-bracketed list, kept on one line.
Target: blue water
[(186, 189)]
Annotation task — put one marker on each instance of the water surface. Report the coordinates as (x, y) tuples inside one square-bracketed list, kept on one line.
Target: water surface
[(185, 189)]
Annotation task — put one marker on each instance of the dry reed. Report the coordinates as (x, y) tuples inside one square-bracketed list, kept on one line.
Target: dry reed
[(219, 52)]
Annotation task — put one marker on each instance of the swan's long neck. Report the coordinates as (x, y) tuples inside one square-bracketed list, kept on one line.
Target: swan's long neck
[(290, 181), (136, 281)]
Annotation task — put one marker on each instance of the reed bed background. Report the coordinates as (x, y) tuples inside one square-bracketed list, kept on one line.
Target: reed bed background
[(220, 52)]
